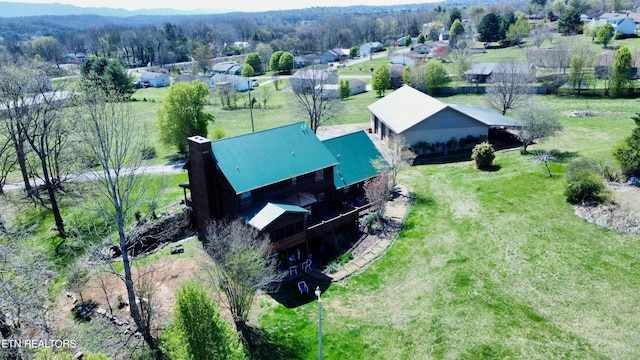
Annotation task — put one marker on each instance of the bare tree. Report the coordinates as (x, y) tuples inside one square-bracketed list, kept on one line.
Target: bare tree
[(24, 300), (460, 59), (240, 268), (7, 160), (538, 122), (539, 34), (376, 191), (508, 85), (110, 131), (312, 98), (33, 116), (399, 157)]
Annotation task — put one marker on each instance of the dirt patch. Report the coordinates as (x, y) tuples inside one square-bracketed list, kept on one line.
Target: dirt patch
[(622, 216)]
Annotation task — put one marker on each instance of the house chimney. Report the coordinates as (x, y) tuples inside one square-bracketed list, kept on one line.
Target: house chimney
[(202, 182)]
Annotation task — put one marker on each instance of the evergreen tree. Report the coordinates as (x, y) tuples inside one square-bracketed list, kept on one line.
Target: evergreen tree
[(569, 22), (628, 153), (345, 90), (620, 73), (207, 334), (489, 27)]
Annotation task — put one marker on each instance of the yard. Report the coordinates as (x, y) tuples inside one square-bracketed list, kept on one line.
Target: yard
[(489, 265)]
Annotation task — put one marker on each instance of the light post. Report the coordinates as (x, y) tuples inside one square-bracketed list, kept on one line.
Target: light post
[(319, 323), (250, 83)]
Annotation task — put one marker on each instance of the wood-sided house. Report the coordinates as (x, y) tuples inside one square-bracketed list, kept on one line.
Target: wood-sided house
[(284, 181)]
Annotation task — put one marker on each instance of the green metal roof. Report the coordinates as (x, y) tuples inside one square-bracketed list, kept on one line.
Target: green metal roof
[(354, 153), (266, 157), (271, 212)]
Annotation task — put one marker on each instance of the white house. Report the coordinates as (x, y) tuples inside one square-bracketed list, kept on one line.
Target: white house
[(419, 117), (155, 79), (367, 49), (239, 83)]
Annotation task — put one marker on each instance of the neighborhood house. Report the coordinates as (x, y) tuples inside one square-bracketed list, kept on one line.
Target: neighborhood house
[(422, 119)]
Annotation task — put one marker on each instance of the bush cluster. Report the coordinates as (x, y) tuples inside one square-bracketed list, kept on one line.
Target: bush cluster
[(483, 154), (584, 182)]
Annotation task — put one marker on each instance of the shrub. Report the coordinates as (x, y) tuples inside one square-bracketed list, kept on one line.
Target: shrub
[(332, 267), (218, 133), (345, 258), (584, 182), (618, 35), (483, 154), (149, 152)]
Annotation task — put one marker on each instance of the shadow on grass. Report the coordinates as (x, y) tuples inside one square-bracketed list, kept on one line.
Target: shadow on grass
[(177, 158), (491, 168), (63, 252), (558, 156), (264, 345), (289, 296), (440, 159)]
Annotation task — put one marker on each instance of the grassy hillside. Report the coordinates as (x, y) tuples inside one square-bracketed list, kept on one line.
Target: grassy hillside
[(489, 265)]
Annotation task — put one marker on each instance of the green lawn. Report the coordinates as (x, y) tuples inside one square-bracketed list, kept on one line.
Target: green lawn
[(490, 265)]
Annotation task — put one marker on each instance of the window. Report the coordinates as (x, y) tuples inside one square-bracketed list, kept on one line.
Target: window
[(294, 180), (319, 175), (320, 196)]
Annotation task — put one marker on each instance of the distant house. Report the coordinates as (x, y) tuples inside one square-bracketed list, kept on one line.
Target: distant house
[(227, 67), (624, 25), (283, 181), (444, 35), (155, 79), (368, 49), (356, 86), (238, 83), (301, 61), (422, 49), (75, 58), (334, 55), (408, 59), (191, 78), (481, 72), (312, 78), (603, 63), (420, 118), (400, 41)]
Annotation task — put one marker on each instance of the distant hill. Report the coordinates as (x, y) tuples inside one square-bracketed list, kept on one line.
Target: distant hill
[(17, 9)]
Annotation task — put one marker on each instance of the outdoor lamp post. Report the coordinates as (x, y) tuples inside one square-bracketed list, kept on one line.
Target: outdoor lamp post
[(319, 323)]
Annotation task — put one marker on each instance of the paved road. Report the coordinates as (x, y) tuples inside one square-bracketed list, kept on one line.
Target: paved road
[(88, 176)]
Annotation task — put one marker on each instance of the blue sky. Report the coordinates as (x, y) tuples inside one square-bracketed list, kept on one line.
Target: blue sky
[(221, 5)]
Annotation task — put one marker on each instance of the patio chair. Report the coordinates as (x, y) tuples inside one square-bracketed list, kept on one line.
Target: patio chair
[(307, 265), (302, 287), (293, 270)]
